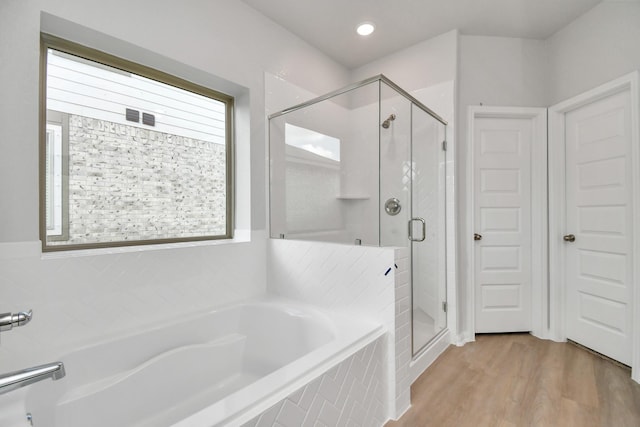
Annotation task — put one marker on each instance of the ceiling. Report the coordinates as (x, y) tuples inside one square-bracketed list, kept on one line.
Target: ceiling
[(329, 25)]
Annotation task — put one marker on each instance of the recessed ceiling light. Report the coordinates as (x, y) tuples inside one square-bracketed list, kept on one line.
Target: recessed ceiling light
[(365, 28)]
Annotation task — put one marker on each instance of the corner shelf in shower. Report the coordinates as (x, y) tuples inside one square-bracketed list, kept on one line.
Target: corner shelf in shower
[(353, 197)]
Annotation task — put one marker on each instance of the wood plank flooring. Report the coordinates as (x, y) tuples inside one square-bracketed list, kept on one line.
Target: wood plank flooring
[(513, 380)]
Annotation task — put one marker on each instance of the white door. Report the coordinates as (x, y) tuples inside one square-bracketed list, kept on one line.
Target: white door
[(598, 194), (502, 223)]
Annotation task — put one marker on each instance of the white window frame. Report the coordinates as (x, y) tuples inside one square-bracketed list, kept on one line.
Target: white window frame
[(54, 153)]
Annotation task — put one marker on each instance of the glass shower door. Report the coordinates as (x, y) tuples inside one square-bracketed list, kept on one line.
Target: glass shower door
[(427, 228), (365, 165)]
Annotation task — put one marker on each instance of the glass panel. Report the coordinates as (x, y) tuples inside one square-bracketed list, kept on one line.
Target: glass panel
[(428, 222), (395, 166), (367, 164), (324, 170)]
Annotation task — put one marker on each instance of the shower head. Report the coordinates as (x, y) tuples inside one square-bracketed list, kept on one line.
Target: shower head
[(387, 122)]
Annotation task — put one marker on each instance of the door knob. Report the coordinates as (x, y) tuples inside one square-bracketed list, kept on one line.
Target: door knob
[(477, 236), (569, 238)]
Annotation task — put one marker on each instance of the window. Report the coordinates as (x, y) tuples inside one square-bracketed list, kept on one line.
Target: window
[(130, 155), (312, 181)]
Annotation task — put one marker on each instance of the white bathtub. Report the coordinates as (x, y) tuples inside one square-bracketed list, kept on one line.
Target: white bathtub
[(220, 368)]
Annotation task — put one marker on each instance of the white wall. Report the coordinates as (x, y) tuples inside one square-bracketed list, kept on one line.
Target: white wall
[(492, 71), (224, 38), (419, 66), (502, 71), (81, 297), (601, 45)]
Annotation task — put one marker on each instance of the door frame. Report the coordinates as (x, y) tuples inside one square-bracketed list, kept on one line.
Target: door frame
[(539, 276), (557, 209)]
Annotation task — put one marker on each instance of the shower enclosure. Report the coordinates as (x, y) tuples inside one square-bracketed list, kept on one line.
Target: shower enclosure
[(365, 165)]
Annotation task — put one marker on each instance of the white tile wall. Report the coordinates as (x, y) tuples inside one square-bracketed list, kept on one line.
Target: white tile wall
[(351, 393), (362, 280), (402, 330), (334, 276), (77, 299)]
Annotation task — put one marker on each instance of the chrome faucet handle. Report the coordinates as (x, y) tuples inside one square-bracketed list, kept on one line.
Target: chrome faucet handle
[(8, 320), (24, 317)]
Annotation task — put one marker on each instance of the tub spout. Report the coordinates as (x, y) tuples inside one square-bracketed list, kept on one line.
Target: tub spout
[(17, 379)]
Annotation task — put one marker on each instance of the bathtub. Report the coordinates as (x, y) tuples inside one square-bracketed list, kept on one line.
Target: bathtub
[(221, 367)]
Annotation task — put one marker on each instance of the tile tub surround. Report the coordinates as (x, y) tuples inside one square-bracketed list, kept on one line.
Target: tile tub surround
[(366, 281), (349, 394)]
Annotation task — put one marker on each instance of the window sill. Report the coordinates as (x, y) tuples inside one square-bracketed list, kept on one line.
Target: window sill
[(240, 236)]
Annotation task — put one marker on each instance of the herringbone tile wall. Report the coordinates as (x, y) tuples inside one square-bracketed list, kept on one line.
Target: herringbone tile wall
[(366, 281), (349, 394)]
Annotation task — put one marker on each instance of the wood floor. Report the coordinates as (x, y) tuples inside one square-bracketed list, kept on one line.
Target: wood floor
[(518, 380)]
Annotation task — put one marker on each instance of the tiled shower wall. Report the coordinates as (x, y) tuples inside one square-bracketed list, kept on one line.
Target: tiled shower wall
[(79, 299), (359, 280)]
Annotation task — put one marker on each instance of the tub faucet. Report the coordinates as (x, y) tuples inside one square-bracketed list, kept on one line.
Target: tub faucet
[(8, 320), (18, 379)]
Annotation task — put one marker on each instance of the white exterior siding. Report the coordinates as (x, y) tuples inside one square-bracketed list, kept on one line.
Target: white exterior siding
[(104, 93)]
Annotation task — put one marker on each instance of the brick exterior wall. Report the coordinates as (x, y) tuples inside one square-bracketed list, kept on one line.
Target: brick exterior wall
[(128, 183)]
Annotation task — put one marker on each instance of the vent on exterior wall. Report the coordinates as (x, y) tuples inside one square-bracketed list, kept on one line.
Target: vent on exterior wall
[(133, 115), (148, 119)]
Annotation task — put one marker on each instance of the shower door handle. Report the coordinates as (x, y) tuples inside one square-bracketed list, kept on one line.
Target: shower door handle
[(424, 229)]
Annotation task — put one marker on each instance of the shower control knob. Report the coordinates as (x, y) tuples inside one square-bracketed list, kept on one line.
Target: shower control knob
[(477, 236), (392, 206)]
